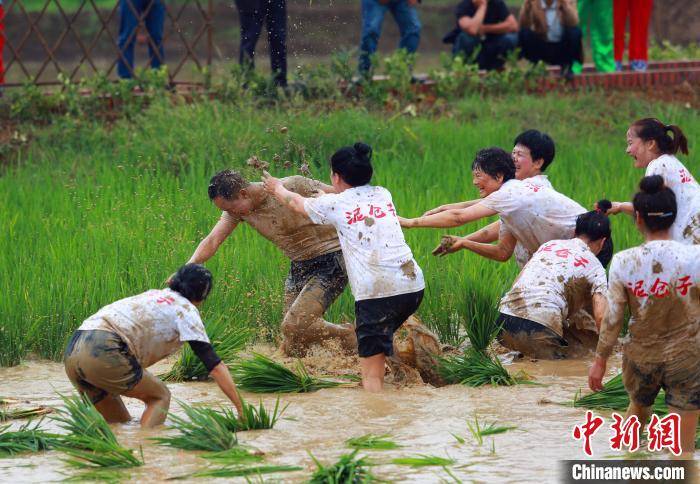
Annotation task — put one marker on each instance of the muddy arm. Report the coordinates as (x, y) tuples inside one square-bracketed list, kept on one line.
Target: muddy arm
[(451, 206), (501, 252), (621, 207), (210, 244), (486, 235), (449, 218), (275, 187), (222, 377), (613, 317), (600, 309)]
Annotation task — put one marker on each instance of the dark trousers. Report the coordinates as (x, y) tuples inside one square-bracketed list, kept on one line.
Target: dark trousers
[(253, 13), (535, 48), (492, 50), (153, 14)]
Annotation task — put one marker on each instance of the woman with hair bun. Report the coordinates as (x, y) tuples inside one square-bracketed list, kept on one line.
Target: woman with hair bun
[(108, 355), (653, 145), (659, 282), (385, 279)]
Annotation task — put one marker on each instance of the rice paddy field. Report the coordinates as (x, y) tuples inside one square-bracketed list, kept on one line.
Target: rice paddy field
[(90, 213)]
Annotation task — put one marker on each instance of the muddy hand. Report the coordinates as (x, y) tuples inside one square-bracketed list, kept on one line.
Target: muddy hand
[(595, 375), (448, 245), (433, 211), (406, 223), (270, 183)]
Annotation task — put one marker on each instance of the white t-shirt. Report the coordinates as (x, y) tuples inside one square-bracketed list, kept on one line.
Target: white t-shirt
[(560, 278), (153, 324), (521, 254), (377, 258), (686, 228), (540, 180), (533, 214), (660, 283)]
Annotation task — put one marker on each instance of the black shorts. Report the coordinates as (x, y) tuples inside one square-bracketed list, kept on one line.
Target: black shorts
[(378, 319), (326, 271), (530, 338)]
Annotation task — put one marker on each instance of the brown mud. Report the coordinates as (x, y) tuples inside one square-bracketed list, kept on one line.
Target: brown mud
[(421, 418)]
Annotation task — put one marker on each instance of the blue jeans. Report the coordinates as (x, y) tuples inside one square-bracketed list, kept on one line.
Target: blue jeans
[(494, 48), (372, 18), (153, 14)]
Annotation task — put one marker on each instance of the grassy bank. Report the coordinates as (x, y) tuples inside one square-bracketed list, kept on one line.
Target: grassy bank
[(89, 214)]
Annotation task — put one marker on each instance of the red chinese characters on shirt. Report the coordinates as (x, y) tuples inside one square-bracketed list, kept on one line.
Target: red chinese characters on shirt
[(625, 433), (685, 176), (580, 261), (534, 188), (659, 288), (588, 430), (565, 253), (375, 211), (165, 300), (665, 433)]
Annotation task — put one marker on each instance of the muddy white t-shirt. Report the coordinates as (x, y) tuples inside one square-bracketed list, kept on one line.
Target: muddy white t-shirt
[(533, 214), (540, 180), (660, 283), (377, 258), (153, 324), (521, 254), (686, 228), (557, 281)]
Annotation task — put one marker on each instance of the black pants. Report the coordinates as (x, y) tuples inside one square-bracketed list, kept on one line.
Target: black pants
[(253, 13), (535, 47), (493, 49)]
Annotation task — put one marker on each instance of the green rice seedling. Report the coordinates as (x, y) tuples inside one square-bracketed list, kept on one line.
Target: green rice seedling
[(481, 332), (27, 438), (476, 368), (233, 456), (22, 413), (613, 396), (373, 442), (99, 475), (257, 418), (203, 429), (94, 453), (348, 469), (227, 341), (239, 471), (81, 419), (479, 432), (423, 460), (261, 374)]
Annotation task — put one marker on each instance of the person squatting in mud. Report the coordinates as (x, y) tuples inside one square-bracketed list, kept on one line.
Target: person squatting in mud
[(533, 152), (659, 283), (531, 214), (651, 146), (385, 279), (562, 277), (108, 354), (317, 273)]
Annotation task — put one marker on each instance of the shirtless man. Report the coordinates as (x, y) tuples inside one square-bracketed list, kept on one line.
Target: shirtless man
[(317, 274), (562, 277)]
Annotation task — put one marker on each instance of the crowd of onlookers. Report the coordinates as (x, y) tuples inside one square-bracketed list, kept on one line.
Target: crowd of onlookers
[(486, 32)]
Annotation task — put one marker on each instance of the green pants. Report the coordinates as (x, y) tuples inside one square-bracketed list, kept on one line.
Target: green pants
[(596, 21)]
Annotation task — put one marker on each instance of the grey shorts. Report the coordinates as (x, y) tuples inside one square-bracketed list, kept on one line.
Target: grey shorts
[(99, 363), (326, 271), (680, 379)]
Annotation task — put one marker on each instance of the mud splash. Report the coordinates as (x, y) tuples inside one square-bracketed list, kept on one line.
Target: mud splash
[(421, 418)]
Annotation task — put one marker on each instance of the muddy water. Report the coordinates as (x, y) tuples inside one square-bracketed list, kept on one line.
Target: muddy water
[(421, 418)]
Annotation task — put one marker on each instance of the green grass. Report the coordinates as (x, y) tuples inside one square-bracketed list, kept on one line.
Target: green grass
[(261, 374), (348, 469), (372, 442), (90, 214)]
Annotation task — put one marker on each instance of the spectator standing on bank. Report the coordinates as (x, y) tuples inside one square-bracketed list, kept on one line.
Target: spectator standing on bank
[(132, 12), (373, 12), (484, 24), (273, 13), (596, 22), (639, 14), (549, 32)]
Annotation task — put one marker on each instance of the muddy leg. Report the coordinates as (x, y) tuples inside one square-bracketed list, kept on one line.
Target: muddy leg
[(643, 413), (113, 409), (155, 395), (373, 373), (303, 325), (689, 424)]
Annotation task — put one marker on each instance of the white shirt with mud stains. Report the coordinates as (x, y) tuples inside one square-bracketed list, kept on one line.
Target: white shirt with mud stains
[(153, 324), (686, 228), (558, 280), (534, 214), (521, 254), (377, 258), (660, 283)]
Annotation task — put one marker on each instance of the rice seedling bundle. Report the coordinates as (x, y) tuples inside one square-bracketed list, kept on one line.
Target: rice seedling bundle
[(22, 413), (240, 471), (227, 341), (348, 469), (373, 442), (481, 332), (27, 438), (81, 419), (261, 374), (233, 456), (257, 418), (203, 429), (423, 460), (476, 368)]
